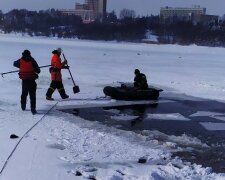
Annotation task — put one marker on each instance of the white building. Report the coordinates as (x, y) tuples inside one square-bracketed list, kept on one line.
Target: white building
[(181, 12)]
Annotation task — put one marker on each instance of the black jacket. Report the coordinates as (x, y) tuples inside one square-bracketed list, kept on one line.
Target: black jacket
[(140, 81)]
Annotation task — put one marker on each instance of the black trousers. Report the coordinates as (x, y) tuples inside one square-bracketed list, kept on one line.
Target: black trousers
[(56, 85), (29, 87)]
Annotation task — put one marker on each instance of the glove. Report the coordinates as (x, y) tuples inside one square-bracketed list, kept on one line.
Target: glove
[(51, 69)]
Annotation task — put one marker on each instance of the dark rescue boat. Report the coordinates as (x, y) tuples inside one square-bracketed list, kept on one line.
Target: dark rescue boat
[(130, 93)]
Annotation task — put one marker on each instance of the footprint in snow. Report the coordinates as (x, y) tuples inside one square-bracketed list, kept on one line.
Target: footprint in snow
[(64, 159), (57, 146), (90, 169)]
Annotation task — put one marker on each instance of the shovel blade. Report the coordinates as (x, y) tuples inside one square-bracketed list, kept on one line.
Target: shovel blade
[(76, 89)]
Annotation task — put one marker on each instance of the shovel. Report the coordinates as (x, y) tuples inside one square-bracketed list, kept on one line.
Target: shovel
[(76, 88)]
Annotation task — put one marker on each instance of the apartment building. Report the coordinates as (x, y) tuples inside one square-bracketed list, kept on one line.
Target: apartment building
[(90, 11), (181, 12)]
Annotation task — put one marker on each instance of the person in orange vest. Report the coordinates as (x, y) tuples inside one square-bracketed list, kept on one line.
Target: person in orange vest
[(28, 73), (56, 75)]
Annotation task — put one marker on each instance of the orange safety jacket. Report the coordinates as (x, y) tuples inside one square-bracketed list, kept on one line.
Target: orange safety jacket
[(57, 66), (27, 70)]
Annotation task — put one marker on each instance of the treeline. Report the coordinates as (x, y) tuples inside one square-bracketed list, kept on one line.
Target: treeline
[(52, 23), (42, 23), (186, 32)]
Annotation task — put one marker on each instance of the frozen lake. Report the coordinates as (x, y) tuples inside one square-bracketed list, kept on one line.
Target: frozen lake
[(62, 144)]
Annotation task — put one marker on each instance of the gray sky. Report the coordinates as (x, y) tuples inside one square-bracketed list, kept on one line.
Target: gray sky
[(141, 7)]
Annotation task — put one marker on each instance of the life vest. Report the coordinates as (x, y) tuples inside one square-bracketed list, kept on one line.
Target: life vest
[(26, 70), (56, 68)]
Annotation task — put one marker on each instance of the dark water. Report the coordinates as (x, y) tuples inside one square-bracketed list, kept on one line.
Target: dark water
[(213, 156)]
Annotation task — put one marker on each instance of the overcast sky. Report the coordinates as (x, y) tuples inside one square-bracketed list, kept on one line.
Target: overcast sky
[(141, 7)]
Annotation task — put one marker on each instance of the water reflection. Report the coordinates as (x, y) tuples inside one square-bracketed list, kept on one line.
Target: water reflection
[(139, 110)]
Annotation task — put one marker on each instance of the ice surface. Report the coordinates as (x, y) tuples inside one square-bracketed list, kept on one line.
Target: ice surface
[(213, 126), (171, 116), (57, 148)]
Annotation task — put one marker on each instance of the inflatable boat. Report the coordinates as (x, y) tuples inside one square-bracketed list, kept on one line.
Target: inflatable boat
[(129, 93)]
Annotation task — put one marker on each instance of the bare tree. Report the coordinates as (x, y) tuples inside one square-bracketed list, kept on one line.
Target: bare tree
[(127, 13)]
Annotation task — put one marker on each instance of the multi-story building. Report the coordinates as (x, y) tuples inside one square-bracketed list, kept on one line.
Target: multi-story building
[(79, 6), (181, 13), (102, 9), (90, 11)]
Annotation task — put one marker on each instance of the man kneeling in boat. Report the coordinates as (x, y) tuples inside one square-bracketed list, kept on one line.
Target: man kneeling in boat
[(140, 80)]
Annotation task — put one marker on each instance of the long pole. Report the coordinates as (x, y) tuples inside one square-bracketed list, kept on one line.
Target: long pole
[(9, 72)]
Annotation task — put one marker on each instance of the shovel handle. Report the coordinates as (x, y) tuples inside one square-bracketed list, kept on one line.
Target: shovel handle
[(69, 70)]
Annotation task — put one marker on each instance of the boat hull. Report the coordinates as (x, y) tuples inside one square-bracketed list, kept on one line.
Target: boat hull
[(130, 94)]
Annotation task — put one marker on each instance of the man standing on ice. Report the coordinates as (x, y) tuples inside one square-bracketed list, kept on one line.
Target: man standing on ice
[(56, 75), (28, 72)]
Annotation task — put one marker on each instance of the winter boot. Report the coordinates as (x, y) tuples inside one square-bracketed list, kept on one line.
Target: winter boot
[(49, 94), (33, 111), (23, 102), (65, 96), (63, 93), (23, 107), (49, 98)]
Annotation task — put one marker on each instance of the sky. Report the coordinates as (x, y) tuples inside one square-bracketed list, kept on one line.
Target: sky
[(141, 7)]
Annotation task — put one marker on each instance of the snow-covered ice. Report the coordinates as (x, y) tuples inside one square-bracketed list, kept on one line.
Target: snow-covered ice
[(206, 113), (124, 117), (61, 145), (171, 116), (214, 126), (215, 115)]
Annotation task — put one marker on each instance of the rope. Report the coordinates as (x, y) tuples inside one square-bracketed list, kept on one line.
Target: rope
[(14, 149)]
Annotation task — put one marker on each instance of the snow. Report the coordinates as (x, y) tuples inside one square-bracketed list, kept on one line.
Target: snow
[(62, 145), (124, 117), (171, 116), (150, 37)]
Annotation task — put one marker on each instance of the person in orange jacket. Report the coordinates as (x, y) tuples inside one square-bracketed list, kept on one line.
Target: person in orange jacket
[(56, 75), (28, 73)]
